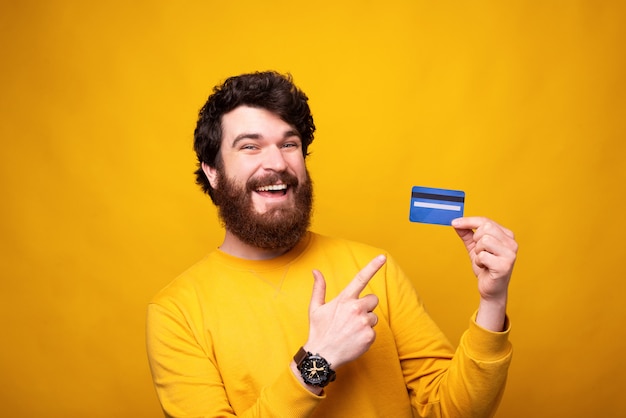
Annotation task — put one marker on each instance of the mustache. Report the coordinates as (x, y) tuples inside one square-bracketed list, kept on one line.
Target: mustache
[(273, 178)]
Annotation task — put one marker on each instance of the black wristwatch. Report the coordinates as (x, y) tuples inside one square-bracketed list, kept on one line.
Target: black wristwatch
[(315, 370)]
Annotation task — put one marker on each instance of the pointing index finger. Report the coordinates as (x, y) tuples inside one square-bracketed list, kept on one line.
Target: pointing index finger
[(356, 286)]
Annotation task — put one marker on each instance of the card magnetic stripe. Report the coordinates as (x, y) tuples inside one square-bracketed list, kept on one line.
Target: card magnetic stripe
[(444, 197)]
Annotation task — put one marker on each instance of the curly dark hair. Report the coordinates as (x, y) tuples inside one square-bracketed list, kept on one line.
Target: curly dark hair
[(268, 90)]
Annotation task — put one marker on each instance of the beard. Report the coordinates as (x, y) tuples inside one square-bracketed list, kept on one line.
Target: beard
[(277, 228)]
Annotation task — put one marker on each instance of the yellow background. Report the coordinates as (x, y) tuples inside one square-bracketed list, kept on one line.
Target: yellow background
[(521, 104)]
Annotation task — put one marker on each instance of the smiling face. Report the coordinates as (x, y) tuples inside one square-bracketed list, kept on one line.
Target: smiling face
[(261, 185)]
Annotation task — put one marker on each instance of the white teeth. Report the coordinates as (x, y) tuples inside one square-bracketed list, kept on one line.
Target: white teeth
[(272, 187)]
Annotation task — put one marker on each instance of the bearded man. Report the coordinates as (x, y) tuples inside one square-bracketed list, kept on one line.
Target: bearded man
[(245, 333)]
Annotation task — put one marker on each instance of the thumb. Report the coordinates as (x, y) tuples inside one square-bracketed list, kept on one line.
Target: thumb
[(318, 296), (467, 236)]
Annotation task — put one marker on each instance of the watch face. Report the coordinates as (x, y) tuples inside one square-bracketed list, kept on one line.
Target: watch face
[(316, 371)]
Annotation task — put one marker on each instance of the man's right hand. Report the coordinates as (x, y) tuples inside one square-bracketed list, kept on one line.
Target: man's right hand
[(342, 329)]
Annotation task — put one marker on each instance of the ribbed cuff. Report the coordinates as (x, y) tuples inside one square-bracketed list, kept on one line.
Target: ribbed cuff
[(485, 345), (290, 399)]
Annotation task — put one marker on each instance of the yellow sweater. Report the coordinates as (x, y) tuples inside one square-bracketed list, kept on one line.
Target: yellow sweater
[(221, 336)]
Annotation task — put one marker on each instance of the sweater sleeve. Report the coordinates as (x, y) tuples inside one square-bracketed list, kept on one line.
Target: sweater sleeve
[(475, 381), (188, 381), (443, 382)]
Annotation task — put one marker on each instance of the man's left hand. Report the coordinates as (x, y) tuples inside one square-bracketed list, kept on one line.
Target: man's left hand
[(492, 250)]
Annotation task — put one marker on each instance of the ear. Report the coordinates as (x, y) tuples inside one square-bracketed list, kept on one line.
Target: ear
[(211, 174)]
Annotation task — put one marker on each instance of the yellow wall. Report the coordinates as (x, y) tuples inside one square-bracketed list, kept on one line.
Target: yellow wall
[(522, 104)]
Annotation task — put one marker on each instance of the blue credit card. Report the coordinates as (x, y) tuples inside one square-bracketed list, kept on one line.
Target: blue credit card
[(436, 206)]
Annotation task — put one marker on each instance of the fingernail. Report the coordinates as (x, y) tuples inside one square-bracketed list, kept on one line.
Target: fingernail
[(456, 222)]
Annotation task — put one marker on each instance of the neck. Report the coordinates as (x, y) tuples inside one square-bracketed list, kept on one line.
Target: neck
[(232, 245)]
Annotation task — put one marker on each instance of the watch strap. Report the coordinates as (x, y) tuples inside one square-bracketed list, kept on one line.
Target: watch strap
[(300, 356)]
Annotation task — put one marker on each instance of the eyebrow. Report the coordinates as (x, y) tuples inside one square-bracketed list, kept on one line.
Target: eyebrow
[(256, 136)]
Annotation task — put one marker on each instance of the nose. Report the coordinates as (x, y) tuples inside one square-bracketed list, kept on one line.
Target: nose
[(274, 159)]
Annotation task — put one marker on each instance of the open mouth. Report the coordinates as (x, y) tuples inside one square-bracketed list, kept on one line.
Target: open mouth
[(277, 189)]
